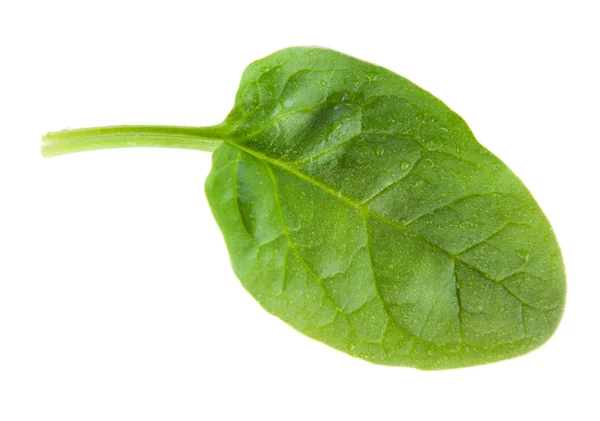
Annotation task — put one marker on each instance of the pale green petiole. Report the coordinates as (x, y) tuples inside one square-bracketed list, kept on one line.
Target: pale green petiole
[(77, 140)]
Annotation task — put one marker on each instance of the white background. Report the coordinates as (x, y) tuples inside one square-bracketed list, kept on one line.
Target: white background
[(117, 299)]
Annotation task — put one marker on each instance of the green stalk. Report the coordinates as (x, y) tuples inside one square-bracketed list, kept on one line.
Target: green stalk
[(68, 141)]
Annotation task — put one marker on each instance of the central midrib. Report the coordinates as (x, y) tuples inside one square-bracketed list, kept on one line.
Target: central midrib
[(365, 212), (359, 206), (370, 212)]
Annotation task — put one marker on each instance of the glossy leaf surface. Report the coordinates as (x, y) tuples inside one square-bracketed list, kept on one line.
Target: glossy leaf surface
[(361, 210)]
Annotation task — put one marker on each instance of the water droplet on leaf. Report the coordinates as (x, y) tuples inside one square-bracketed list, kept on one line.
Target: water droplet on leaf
[(523, 255), (371, 76)]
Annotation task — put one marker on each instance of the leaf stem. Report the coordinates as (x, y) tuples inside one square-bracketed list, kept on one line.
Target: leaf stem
[(77, 140)]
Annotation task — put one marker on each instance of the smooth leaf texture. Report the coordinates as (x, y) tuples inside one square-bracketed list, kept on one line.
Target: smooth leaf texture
[(361, 210)]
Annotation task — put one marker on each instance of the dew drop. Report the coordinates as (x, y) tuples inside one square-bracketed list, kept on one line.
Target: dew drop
[(523, 255), (335, 131), (371, 76), (380, 150), (325, 83), (351, 346), (404, 165)]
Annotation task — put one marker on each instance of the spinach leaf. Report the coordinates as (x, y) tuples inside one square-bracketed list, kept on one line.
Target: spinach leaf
[(361, 210)]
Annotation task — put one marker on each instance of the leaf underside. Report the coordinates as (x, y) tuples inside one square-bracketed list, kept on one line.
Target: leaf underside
[(362, 211)]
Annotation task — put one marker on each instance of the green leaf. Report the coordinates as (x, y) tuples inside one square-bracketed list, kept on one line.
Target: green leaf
[(361, 210)]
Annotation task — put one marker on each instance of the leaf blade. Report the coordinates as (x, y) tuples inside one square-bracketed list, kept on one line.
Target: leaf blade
[(438, 205)]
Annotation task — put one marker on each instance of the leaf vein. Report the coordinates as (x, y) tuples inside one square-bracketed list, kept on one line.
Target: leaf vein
[(293, 246), (392, 184)]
